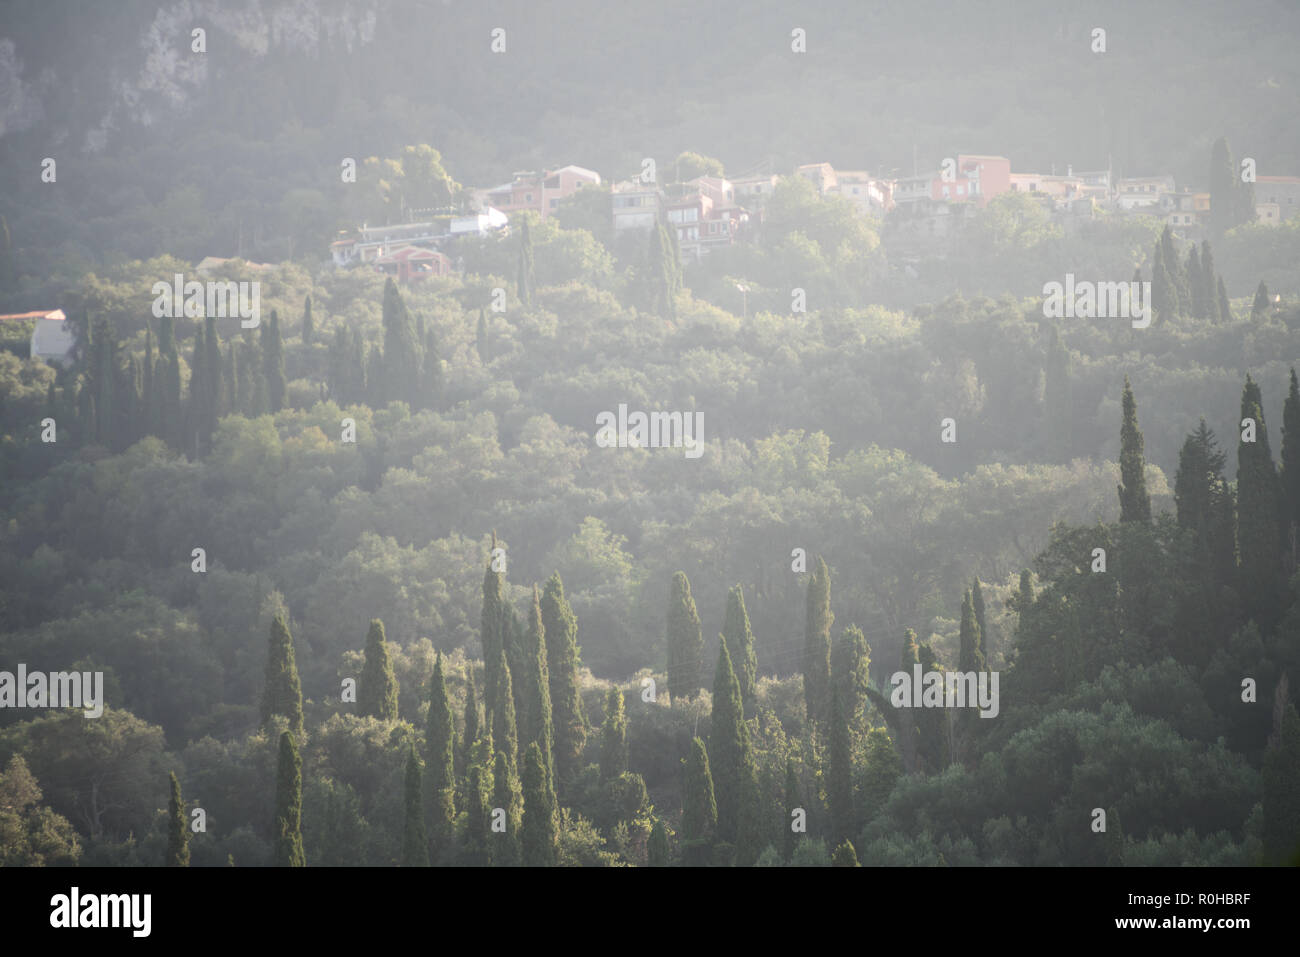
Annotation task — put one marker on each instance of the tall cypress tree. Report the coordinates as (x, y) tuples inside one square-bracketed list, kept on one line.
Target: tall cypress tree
[(472, 722), (685, 641), (505, 846), (308, 324), (1134, 503), (283, 693), (402, 356), (1290, 469), (699, 809), (287, 827), (1258, 510), (1261, 304), (1281, 779), (1210, 284), (476, 850), (817, 644), (273, 364), (1205, 506), (851, 676), (492, 623), (1196, 284), (540, 835), (415, 844), (170, 400), (977, 603), (377, 690), (740, 646), (970, 657), (150, 398), (431, 371), (733, 760), (1225, 307), (658, 851), (560, 630), (505, 732), (439, 745), (839, 785), (178, 835), (540, 727), (613, 744)]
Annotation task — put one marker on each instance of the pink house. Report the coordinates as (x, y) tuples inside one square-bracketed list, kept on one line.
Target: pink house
[(540, 191), (412, 264)]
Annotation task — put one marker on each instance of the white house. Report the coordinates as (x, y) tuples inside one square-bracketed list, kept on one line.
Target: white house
[(52, 339)]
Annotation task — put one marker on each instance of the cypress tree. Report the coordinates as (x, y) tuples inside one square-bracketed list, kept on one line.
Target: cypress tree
[(851, 675), (1196, 285), (792, 802), (740, 646), (977, 603), (505, 846), (287, 828), (1204, 505), (477, 822), (170, 404), (1181, 298), (492, 624), (970, 657), (1223, 188), (1259, 308), (839, 786), (505, 733), (308, 325), (613, 745), (845, 856), (540, 830), (415, 845), (817, 644), (104, 358), (733, 761), (273, 364), (150, 399), (540, 715), (178, 835), (377, 690), (402, 359), (196, 412), (1290, 468), (1209, 284), (247, 369), (517, 660), (1225, 307), (439, 745), (699, 810), (525, 279), (560, 631), (8, 269), (1258, 510), (685, 641), (472, 724), (1134, 503), (283, 693), (1281, 777), (657, 850), (230, 381), (1164, 295)]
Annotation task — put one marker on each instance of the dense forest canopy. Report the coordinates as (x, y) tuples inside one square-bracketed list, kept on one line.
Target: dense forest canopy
[(363, 587)]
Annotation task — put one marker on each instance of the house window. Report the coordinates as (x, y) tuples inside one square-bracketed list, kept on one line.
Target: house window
[(528, 197)]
